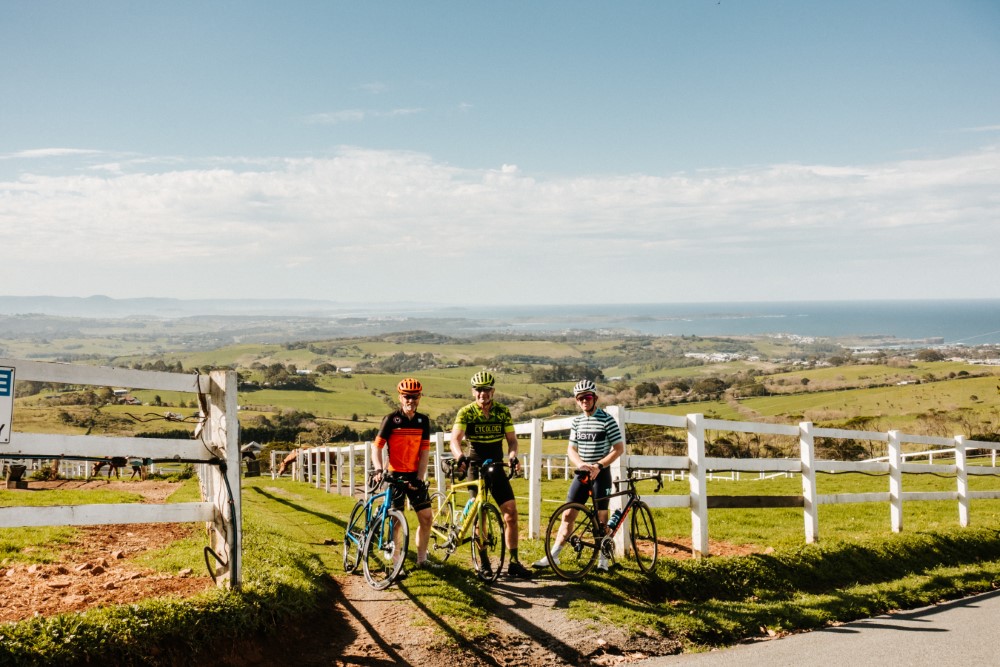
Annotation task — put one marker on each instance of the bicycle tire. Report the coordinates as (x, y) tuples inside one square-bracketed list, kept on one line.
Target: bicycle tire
[(579, 552), (384, 558), (489, 546), (643, 531), (443, 538), (354, 537)]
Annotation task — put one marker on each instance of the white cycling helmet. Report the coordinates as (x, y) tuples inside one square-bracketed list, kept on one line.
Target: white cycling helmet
[(584, 387)]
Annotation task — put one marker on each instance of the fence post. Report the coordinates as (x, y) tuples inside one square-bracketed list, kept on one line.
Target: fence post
[(697, 484), (619, 470), (962, 478), (222, 429), (535, 480), (327, 451), (317, 467), (368, 465), (350, 473), (895, 482), (807, 452), (439, 457)]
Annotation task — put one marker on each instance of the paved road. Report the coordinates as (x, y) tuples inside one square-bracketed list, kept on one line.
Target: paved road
[(963, 632)]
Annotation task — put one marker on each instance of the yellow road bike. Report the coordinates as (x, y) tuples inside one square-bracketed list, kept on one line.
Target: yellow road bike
[(477, 522)]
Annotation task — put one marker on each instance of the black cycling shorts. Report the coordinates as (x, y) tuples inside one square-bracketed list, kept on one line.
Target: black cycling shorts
[(600, 487), (496, 481), (419, 498)]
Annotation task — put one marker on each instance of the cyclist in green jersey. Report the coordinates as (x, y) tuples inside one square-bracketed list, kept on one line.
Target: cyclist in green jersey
[(487, 424)]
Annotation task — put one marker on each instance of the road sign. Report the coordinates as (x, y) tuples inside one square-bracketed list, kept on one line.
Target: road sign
[(6, 402)]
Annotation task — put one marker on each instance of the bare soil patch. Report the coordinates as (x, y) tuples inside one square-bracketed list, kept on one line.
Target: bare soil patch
[(97, 568)]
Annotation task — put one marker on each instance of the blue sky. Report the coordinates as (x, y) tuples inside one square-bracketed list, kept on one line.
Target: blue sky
[(474, 152)]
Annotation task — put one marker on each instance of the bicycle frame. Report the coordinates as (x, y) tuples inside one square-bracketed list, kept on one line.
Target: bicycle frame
[(374, 517), (586, 536), (633, 498), (487, 536), (473, 511)]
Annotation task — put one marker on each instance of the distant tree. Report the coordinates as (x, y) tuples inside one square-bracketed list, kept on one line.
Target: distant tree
[(709, 386), (644, 389), (930, 355)]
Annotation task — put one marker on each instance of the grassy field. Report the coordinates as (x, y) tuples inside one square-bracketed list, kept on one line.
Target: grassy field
[(859, 568)]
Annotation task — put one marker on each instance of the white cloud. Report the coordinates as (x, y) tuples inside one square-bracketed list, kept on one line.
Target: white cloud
[(47, 153), (982, 128), (304, 227), (334, 117), (357, 115)]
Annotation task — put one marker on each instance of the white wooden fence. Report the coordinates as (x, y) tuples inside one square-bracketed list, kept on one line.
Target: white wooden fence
[(214, 450), (697, 468)]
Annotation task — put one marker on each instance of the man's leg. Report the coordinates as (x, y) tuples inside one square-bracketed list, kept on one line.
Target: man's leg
[(509, 512), (423, 533)]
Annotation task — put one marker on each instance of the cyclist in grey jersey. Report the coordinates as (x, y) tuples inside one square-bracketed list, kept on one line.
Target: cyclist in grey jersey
[(595, 442)]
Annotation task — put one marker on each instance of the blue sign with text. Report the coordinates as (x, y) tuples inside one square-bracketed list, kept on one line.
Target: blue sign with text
[(6, 402)]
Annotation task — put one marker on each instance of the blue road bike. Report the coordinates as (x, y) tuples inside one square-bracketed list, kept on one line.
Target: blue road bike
[(377, 535)]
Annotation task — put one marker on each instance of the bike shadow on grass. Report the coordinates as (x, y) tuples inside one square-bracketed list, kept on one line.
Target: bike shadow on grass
[(502, 600)]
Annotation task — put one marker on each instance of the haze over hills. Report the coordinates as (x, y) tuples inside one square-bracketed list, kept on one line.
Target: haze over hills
[(100, 306), (897, 322)]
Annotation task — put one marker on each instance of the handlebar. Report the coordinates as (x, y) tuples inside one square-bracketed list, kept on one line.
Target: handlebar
[(449, 467), (632, 480), (390, 479)]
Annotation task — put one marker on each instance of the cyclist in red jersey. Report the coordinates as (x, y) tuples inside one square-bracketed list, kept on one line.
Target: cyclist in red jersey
[(407, 434)]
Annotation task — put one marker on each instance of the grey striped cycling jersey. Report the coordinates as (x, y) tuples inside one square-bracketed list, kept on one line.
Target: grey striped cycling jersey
[(594, 436)]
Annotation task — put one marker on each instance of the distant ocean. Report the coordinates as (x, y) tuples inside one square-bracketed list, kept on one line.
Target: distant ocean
[(969, 322)]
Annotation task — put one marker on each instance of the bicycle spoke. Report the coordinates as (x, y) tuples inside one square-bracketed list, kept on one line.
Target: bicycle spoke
[(354, 536), (443, 537), (488, 546), (643, 528), (385, 549), (579, 546)]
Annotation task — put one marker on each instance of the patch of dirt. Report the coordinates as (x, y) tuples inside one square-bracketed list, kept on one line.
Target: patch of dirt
[(679, 548), (97, 568), (362, 626)]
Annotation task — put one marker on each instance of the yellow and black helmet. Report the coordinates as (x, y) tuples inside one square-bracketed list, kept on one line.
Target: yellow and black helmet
[(483, 379)]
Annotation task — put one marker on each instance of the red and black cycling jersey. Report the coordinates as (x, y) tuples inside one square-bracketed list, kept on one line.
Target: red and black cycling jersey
[(406, 438)]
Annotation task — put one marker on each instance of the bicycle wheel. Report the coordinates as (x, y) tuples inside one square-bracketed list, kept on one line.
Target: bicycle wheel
[(444, 532), (643, 537), (384, 557), (488, 545), (579, 551), (354, 537), (438, 500)]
